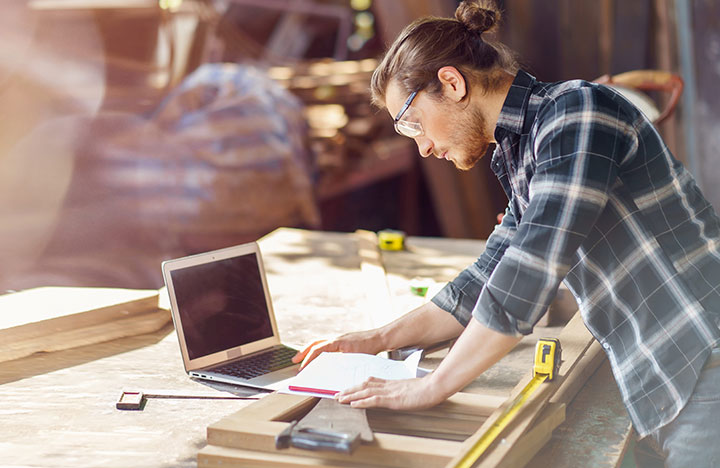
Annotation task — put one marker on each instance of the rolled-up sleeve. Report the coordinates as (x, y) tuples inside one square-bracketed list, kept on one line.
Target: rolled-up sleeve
[(578, 144), (460, 295)]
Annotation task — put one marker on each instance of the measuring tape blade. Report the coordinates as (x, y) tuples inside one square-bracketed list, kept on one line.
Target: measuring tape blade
[(502, 421)]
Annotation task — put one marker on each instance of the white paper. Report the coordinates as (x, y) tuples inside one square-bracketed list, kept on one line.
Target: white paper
[(338, 371)]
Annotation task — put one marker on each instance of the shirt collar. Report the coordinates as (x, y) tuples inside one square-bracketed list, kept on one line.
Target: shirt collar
[(512, 115)]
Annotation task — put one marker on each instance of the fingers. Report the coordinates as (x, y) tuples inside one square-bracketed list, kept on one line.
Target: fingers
[(373, 401), (316, 349), (301, 354), (369, 394), (394, 394)]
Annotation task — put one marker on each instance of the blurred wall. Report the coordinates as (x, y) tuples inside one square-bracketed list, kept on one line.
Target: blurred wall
[(704, 121)]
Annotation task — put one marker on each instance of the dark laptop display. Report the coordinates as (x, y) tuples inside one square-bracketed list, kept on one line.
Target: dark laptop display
[(224, 319), (221, 305)]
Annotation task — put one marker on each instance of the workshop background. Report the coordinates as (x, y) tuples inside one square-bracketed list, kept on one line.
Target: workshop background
[(136, 131)]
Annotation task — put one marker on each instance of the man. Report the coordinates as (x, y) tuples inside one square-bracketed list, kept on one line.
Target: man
[(595, 200)]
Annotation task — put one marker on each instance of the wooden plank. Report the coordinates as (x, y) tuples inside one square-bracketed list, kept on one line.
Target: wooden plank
[(469, 404), (536, 438), (252, 444), (134, 325), (419, 425), (579, 45), (224, 457), (290, 38), (54, 318), (586, 367), (380, 305), (386, 449), (83, 306), (575, 340), (479, 204), (597, 428), (274, 407), (452, 420)]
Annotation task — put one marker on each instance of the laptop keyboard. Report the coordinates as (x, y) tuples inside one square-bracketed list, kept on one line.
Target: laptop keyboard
[(259, 364)]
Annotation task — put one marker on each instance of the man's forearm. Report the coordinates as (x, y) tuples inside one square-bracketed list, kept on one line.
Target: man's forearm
[(477, 349), (424, 326)]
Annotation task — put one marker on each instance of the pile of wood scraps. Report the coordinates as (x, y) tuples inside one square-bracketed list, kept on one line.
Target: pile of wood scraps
[(346, 133)]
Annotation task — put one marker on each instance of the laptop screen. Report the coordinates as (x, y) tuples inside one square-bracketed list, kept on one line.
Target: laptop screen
[(221, 305)]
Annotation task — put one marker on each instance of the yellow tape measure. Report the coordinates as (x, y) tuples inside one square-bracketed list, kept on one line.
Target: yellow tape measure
[(548, 356), (391, 239)]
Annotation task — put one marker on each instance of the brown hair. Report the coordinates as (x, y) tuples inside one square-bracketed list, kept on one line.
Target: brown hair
[(430, 43)]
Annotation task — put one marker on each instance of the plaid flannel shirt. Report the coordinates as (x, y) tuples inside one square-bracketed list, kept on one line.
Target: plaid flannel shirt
[(599, 202)]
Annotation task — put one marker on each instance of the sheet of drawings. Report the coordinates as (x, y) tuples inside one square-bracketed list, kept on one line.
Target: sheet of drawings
[(333, 372)]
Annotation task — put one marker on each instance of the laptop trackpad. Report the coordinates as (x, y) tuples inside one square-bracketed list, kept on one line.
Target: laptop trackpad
[(277, 379)]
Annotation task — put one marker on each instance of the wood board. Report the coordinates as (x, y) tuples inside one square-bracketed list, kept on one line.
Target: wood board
[(433, 437), (247, 438), (420, 432), (597, 429), (56, 318), (379, 300), (575, 340), (254, 428)]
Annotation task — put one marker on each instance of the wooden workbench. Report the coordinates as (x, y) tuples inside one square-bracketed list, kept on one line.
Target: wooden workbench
[(58, 409)]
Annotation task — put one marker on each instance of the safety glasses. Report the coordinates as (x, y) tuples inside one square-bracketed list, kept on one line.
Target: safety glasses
[(407, 127)]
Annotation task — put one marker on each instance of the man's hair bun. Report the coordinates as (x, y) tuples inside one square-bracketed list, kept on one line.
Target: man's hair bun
[(478, 16)]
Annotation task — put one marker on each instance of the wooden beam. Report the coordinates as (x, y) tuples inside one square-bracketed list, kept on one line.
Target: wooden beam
[(536, 438), (597, 428), (56, 318), (457, 418), (255, 426), (274, 407), (575, 340), (386, 450), (380, 305), (586, 367), (433, 427), (136, 325), (224, 457)]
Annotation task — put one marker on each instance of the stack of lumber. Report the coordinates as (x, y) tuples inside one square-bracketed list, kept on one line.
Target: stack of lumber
[(343, 124), (56, 318)]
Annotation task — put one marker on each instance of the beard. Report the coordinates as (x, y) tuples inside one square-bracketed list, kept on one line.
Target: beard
[(471, 139)]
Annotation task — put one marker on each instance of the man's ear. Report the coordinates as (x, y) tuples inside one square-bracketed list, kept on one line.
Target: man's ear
[(453, 83)]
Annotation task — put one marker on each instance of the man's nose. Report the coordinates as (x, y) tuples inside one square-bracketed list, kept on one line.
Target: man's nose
[(424, 146)]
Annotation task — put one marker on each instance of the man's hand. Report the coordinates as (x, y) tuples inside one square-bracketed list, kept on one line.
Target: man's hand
[(359, 342), (407, 394), (474, 352), (424, 326)]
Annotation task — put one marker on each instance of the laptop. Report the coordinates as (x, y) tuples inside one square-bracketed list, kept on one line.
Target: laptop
[(223, 316)]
